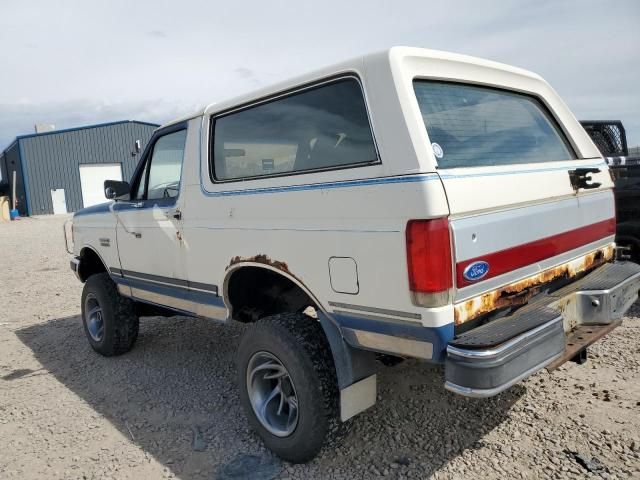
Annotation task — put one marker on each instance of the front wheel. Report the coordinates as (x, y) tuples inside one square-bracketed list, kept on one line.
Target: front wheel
[(288, 386), (109, 319)]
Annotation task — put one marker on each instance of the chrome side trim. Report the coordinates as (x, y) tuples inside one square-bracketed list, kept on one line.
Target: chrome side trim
[(379, 319), (490, 392), (388, 343), (502, 348), (204, 287), (383, 311), (168, 281), (203, 310), (124, 290)]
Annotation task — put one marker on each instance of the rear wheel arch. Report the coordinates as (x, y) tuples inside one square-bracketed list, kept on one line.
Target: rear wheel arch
[(351, 364), (254, 290)]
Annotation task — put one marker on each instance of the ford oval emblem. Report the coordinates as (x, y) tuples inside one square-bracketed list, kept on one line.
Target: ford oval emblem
[(476, 271)]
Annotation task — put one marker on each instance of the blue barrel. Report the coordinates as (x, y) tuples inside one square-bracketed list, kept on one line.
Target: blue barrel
[(13, 214)]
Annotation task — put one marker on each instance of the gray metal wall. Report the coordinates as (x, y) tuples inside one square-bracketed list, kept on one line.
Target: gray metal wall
[(12, 163), (4, 178), (53, 160)]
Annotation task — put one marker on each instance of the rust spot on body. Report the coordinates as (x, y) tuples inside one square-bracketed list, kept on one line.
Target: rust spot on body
[(260, 258), (266, 260), (520, 292)]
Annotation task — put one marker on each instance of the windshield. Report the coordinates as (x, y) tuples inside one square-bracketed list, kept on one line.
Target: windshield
[(472, 126)]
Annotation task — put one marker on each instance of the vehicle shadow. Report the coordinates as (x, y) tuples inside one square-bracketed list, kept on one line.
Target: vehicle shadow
[(175, 396)]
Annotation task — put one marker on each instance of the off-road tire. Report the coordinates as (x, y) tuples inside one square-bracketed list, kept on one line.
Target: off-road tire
[(121, 323), (298, 341)]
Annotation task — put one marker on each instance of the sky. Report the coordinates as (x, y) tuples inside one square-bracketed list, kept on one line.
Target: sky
[(73, 63)]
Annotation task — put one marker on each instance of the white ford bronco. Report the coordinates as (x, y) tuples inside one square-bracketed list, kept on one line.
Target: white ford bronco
[(409, 203)]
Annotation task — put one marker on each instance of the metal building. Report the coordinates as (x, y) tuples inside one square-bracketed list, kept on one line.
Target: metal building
[(63, 170)]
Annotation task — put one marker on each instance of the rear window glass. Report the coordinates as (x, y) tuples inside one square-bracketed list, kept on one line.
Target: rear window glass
[(322, 127), (477, 126)]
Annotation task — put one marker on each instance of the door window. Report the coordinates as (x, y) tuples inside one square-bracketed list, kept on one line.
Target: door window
[(160, 178), (166, 166)]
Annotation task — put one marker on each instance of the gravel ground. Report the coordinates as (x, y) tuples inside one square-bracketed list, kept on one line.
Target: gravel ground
[(170, 408)]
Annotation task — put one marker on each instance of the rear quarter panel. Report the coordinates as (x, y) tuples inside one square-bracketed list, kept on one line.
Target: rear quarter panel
[(305, 220)]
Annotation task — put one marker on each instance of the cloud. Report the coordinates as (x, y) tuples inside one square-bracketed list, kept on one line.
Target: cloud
[(157, 34), (94, 62), (248, 75)]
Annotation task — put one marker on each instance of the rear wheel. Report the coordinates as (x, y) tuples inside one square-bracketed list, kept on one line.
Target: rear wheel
[(109, 319), (288, 386)]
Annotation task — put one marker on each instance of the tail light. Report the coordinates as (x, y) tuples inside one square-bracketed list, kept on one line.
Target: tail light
[(429, 261)]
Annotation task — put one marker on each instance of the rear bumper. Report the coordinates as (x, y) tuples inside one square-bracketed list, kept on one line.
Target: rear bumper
[(487, 360)]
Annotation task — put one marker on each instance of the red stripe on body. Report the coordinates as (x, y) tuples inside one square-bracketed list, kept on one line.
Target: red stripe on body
[(520, 256)]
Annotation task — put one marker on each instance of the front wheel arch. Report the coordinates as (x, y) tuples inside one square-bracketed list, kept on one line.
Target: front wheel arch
[(91, 263)]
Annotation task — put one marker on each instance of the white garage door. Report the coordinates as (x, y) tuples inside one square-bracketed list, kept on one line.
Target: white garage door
[(92, 179)]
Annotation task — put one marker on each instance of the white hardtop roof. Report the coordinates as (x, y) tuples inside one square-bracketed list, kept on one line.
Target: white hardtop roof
[(382, 58), (387, 78)]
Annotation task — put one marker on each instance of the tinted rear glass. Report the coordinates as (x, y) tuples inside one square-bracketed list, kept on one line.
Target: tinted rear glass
[(473, 126), (322, 127)]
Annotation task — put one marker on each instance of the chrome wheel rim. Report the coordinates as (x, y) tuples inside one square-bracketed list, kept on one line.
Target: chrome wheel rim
[(272, 394), (93, 318)]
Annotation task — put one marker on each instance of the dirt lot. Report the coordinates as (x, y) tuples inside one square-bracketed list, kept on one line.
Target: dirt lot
[(170, 408)]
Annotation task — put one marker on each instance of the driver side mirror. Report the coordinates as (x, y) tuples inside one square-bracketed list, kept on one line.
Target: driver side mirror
[(117, 190)]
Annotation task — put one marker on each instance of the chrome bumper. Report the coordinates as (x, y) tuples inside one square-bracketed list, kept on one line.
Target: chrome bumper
[(475, 367), (603, 297)]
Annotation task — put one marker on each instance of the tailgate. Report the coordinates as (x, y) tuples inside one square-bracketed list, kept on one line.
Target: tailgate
[(523, 241), (523, 204)]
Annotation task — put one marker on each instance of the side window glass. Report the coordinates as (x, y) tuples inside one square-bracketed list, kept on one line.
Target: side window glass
[(166, 166), (323, 127)]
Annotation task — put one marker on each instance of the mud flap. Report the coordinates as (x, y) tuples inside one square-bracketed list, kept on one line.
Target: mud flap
[(355, 370)]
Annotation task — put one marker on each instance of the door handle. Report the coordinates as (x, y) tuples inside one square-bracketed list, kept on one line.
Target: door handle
[(175, 214)]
